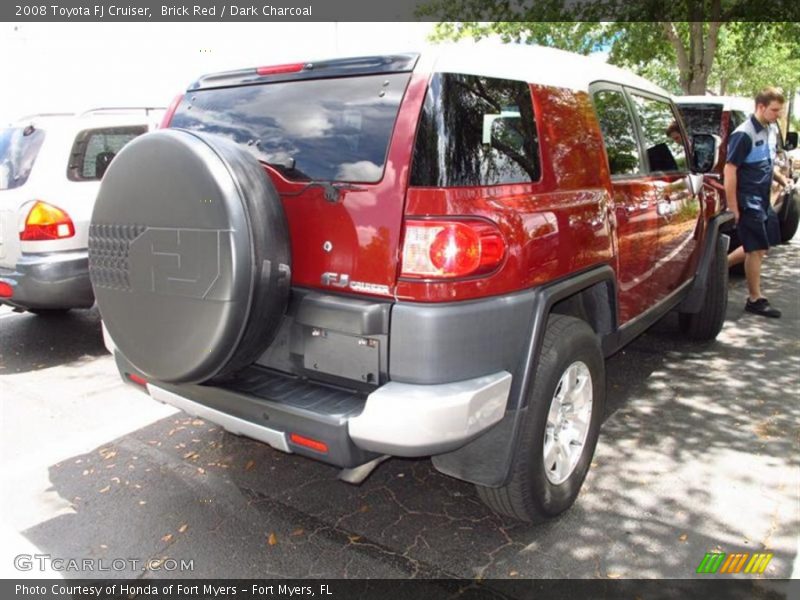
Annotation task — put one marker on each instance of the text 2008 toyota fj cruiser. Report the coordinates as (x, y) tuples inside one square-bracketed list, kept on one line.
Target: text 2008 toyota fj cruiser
[(409, 255)]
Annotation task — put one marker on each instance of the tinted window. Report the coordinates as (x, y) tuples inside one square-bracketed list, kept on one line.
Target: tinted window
[(616, 123), (94, 150), (702, 118), (325, 129), (475, 131), (19, 148), (662, 138), (737, 118)]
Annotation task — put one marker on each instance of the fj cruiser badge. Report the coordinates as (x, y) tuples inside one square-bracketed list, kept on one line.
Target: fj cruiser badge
[(342, 280)]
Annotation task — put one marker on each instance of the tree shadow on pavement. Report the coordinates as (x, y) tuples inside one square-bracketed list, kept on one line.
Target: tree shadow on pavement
[(31, 342), (699, 453)]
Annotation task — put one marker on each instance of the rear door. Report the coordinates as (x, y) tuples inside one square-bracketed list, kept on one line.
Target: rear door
[(20, 148), (678, 210), (634, 202), (337, 150)]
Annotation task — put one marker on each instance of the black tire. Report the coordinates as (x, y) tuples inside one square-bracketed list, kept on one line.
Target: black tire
[(530, 495), (789, 215), (189, 256), (705, 325)]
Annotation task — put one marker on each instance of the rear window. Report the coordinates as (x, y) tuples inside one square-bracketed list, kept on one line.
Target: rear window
[(19, 147), (94, 149), (702, 118), (322, 130), (475, 131)]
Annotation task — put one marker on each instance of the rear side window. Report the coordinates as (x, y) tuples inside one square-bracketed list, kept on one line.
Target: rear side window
[(323, 130), (737, 118), (702, 118), (19, 147), (475, 131), (616, 123), (94, 149), (665, 149)]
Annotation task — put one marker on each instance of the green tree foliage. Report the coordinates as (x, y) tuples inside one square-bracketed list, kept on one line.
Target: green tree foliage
[(700, 53)]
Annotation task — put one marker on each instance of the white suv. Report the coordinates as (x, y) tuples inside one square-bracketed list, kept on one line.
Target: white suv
[(50, 171)]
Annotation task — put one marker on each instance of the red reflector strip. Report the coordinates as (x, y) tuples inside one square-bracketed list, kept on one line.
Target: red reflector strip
[(315, 445), (6, 291), (136, 379), (278, 69)]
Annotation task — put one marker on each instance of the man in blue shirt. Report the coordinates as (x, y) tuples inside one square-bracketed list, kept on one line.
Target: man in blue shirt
[(748, 179)]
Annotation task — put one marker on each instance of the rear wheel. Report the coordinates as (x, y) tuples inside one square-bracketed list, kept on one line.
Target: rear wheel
[(560, 427), (706, 324)]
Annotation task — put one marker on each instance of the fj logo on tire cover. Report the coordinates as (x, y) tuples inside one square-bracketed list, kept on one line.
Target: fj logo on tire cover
[(191, 263)]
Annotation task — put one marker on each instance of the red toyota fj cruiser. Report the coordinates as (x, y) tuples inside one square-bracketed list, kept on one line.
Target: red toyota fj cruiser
[(410, 255)]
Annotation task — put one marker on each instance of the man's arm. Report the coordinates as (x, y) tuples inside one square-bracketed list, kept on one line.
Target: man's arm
[(777, 176), (730, 174)]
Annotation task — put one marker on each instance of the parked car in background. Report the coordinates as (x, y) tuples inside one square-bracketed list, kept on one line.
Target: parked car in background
[(423, 254), (50, 171), (719, 116)]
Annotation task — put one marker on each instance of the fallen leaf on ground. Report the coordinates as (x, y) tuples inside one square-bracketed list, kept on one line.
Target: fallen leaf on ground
[(183, 528), (166, 538), (105, 489), (250, 464), (272, 539)]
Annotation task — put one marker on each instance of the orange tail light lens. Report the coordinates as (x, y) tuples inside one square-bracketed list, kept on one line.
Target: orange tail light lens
[(46, 222)]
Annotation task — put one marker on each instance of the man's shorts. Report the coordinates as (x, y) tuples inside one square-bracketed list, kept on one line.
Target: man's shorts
[(758, 231)]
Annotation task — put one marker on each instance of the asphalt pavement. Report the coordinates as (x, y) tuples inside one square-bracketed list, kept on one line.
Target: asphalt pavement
[(698, 453)]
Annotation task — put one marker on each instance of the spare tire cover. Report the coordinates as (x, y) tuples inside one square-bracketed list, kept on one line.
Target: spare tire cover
[(189, 256)]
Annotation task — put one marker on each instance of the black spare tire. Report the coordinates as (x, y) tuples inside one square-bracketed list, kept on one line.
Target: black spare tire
[(189, 256)]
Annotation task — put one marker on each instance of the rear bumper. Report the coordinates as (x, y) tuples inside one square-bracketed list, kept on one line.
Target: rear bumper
[(47, 281), (395, 419)]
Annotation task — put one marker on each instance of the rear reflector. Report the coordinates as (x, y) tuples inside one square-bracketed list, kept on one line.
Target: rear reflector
[(448, 249), (315, 445), (6, 291), (46, 222), (278, 69), (136, 379)]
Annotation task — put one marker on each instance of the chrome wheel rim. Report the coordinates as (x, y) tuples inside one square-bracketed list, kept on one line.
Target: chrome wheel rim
[(568, 422)]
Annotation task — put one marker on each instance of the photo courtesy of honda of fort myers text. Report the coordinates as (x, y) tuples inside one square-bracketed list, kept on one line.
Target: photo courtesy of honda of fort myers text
[(188, 590)]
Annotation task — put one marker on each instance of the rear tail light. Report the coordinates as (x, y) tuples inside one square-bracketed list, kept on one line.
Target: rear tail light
[(46, 222), (6, 291), (173, 106), (450, 249), (278, 69), (306, 442)]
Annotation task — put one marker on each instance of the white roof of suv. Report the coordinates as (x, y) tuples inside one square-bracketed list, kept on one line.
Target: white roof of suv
[(526, 62)]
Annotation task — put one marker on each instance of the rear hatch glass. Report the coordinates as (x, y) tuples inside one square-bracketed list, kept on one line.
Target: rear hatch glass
[(320, 130), (333, 131), (702, 118), (19, 147)]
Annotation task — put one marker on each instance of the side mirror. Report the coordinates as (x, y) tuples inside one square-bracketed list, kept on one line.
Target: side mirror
[(791, 140), (705, 152), (695, 183)]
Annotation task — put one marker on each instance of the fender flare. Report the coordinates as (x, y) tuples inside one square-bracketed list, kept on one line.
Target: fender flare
[(487, 459)]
